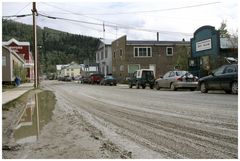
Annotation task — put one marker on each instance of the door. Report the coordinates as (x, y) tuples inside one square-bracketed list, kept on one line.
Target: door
[(164, 81), (215, 81)]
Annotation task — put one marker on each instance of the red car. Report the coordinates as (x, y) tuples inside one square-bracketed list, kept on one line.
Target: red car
[(96, 78)]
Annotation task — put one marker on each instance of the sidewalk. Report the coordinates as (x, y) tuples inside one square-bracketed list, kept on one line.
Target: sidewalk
[(14, 93)]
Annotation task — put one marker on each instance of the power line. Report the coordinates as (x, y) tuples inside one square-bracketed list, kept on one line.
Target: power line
[(115, 26), (16, 15), (24, 15), (149, 11)]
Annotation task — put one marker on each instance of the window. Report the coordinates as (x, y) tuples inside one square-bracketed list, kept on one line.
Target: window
[(102, 55), (142, 52), (4, 61), (172, 74), (230, 69), (98, 56), (114, 54), (121, 68), (166, 75), (169, 51), (106, 53), (135, 52), (121, 52)]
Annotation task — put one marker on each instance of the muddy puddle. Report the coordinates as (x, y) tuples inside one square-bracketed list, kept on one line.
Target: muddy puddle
[(37, 112)]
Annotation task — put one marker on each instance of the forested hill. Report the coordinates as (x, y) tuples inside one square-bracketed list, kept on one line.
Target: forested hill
[(56, 47)]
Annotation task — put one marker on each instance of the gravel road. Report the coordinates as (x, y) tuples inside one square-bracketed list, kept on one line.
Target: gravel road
[(137, 123)]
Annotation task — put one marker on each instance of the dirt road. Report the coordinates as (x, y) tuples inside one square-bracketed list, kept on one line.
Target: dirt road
[(91, 121)]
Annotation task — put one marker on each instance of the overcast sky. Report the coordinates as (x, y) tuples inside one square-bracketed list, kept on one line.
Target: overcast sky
[(139, 20)]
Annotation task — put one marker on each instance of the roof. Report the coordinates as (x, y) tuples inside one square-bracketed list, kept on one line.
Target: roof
[(14, 54), (16, 42), (72, 65), (134, 42)]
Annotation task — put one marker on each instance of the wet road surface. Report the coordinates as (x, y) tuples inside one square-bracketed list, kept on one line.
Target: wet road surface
[(154, 124)]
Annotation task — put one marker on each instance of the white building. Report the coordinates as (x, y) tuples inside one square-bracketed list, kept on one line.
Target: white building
[(104, 59), (72, 70)]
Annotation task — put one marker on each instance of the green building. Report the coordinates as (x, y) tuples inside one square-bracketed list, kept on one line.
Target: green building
[(209, 50)]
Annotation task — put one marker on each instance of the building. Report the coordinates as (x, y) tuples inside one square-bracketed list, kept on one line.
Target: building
[(104, 59), (72, 70), (12, 65), (129, 56), (23, 50), (209, 50)]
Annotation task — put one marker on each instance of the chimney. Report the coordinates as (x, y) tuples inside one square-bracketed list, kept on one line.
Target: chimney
[(157, 36)]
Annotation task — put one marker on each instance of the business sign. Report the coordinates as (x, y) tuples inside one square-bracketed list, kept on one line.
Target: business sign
[(204, 45)]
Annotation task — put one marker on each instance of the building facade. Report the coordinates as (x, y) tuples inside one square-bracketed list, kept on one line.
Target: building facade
[(23, 50), (129, 56), (72, 70), (104, 59), (209, 50), (12, 65)]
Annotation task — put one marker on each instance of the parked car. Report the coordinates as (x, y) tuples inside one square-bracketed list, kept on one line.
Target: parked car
[(142, 77), (224, 78), (109, 80), (67, 78), (177, 79), (84, 79), (96, 78)]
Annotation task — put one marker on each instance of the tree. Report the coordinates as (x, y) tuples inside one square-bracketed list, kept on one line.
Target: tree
[(20, 71), (182, 58), (222, 30)]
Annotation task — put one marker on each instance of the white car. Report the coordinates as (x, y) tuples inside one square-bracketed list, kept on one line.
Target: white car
[(177, 79)]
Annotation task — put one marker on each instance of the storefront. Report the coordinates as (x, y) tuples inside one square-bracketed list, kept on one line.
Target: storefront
[(208, 51)]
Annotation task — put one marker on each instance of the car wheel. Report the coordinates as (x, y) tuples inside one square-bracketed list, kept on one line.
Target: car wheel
[(143, 86), (157, 87), (130, 85), (173, 87), (151, 86), (234, 87), (203, 88)]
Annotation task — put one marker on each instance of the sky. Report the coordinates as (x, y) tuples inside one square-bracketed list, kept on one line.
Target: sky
[(139, 20)]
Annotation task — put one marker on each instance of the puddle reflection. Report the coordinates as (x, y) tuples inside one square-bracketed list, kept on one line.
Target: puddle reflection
[(37, 113)]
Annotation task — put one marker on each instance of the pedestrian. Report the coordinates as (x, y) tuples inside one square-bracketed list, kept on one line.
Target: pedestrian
[(17, 81)]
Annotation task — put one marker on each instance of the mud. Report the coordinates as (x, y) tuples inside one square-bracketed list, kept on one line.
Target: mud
[(46, 129), (95, 122)]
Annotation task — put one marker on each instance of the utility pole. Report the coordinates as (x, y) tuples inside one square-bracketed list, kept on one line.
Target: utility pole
[(105, 70), (34, 13)]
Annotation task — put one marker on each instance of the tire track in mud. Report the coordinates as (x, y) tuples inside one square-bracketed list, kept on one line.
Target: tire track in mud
[(156, 132), (172, 136)]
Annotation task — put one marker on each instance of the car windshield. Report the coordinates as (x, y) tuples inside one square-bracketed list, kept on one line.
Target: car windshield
[(219, 70), (181, 73)]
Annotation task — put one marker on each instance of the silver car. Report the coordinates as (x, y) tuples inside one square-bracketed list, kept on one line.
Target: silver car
[(177, 79)]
